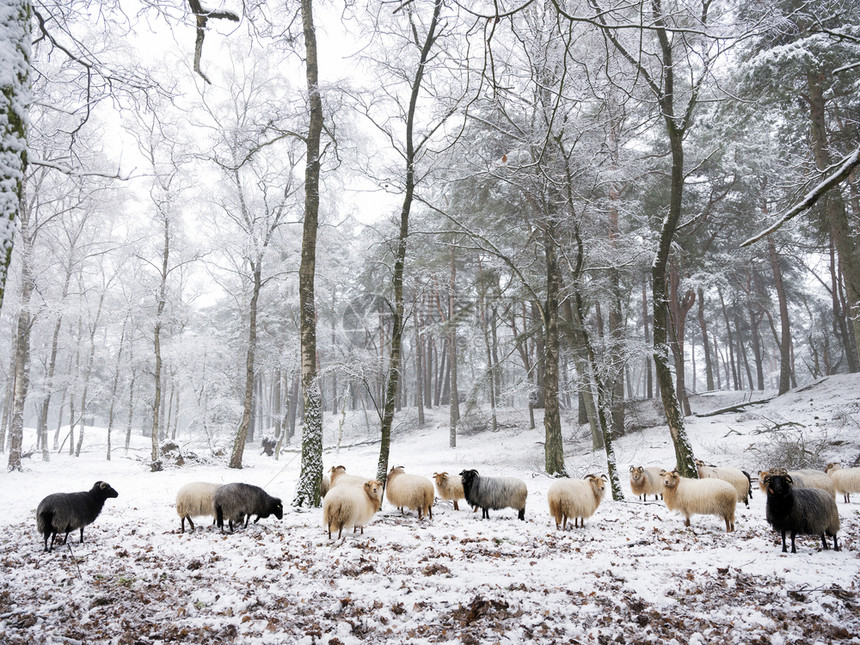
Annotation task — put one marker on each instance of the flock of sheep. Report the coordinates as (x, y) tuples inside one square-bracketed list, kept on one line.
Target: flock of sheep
[(799, 502)]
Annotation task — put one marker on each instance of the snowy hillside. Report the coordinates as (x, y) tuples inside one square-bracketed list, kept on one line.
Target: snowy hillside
[(634, 574)]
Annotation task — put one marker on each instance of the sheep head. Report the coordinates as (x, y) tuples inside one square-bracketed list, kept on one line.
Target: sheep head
[(373, 489), (396, 470), (278, 509), (598, 484), (778, 482), (440, 477), (670, 478), (468, 476), (104, 490)]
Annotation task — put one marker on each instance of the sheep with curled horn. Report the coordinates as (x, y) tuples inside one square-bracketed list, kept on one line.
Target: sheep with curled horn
[(575, 498), (348, 506), (494, 493), (450, 487), (65, 512), (645, 480), (699, 497), (799, 511)]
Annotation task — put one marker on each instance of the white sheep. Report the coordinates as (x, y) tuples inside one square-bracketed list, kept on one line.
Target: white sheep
[(646, 481), (735, 476), (804, 478), (195, 500), (699, 497), (450, 487), (845, 481), (350, 506), (410, 491), (576, 498), (325, 484), (339, 477)]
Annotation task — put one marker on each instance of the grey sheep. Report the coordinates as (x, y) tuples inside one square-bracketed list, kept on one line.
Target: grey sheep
[(65, 512), (494, 492), (804, 511), (238, 502)]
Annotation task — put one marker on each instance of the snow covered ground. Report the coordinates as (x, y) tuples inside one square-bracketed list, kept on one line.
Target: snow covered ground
[(634, 574)]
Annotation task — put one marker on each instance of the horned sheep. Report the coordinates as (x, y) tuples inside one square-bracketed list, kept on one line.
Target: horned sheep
[(450, 487), (65, 512), (238, 502), (804, 511), (195, 500), (339, 477), (351, 506), (699, 497), (646, 481), (494, 493), (410, 491), (575, 498), (845, 481)]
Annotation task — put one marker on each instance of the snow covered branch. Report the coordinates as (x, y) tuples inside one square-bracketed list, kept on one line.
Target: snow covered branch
[(841, 173), (203, 15)]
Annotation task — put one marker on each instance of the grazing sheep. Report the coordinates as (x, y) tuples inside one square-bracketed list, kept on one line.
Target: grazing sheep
[(410, 491), (325, 484), (646, 481), (238, 502), (845, 481), (346, 506), (805, 478), (194, 500), (805, 511), (576, 498), (339, 477), (494, 492), (65, 512), (699, 497), (735, 476), (450, 488)]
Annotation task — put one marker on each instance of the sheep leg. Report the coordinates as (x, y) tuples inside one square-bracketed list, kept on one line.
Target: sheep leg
[(687, 520), (824, 542), (522, 514), (784, 549), (82, 535), (835, 545), (793, 535), (456, 508), (430, 512)]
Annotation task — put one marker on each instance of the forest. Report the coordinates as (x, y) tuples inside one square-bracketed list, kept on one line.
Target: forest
[(225, 224)]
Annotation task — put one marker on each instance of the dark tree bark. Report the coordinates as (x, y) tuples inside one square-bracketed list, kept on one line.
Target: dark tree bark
[(308, 488), (785, 324), (400, 257)]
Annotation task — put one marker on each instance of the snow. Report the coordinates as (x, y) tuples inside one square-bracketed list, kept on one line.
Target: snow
[(634, 574)]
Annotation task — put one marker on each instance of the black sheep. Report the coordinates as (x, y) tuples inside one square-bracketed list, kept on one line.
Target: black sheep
[(237, 502), (65, 512), (804, 511)]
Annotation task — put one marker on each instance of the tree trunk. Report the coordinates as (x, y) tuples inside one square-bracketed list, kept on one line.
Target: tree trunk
[(706, 345), (114, 387), (308, 489), (15, 25), (419, 364), (22, 349), (155, 462), (454, 407), (553, 446), (248, 401), (836, 217), (785, 325)]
